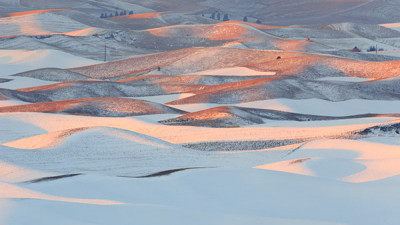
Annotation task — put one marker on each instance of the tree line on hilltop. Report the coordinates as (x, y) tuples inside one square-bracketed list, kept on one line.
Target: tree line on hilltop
[(225, 17), (215, 15), (116, 13)]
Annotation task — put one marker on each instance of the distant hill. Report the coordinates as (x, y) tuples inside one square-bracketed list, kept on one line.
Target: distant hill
[(276, 12)]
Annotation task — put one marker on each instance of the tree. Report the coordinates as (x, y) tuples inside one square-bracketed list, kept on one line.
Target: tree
[(111, 15), (102, 15), (258, 21), (245, 19), (212, 15), (371, 49), (218, 16), (116, 13), (355, 49), (131, 12), (226, 17)]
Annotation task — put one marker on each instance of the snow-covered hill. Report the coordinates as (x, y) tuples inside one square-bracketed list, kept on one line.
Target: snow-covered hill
[(192, 120)]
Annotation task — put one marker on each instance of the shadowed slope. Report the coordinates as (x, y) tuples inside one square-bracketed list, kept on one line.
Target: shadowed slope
[(168, 172), (52, 178), (3, 97), (390, 130), (53, 74), (82, 89), (106, 107), (230, 116), (292, 88), (189, 79), (244, 90)]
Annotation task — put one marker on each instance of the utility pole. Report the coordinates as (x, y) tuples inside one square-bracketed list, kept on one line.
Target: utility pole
[(105, 52)]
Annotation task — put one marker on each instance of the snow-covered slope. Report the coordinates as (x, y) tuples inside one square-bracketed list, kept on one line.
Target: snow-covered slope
[(196, 121), (16, 61), (106, 107)]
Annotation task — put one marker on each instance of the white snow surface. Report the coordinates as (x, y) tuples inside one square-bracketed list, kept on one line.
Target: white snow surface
[(75, 169), (17, 61), (209, 196)]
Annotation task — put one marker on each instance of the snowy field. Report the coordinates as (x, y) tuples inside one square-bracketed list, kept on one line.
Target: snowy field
[(282, 130)]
